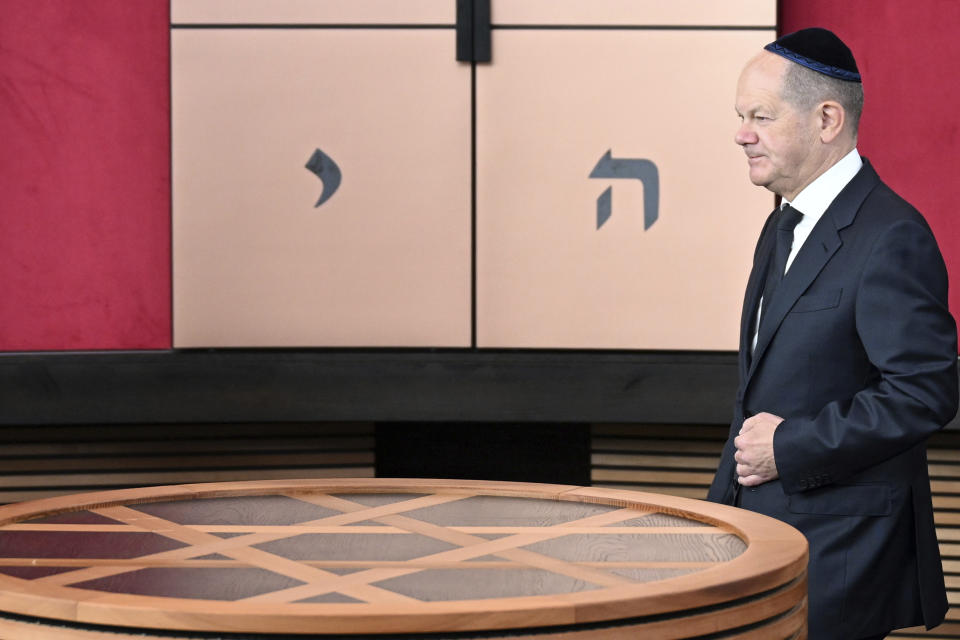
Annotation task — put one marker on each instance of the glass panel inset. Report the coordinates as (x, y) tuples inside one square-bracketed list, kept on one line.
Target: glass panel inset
[(468, 584)]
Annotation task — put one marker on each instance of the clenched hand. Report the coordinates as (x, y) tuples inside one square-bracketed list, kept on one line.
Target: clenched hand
[(754, 456)]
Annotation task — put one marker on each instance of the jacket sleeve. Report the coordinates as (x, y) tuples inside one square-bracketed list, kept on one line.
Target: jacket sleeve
[(910, 339)]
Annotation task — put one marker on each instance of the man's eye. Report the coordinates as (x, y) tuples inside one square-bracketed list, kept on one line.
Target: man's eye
[(761, 118)]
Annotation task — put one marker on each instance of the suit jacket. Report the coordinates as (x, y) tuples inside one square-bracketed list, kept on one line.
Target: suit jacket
[(858, 353)]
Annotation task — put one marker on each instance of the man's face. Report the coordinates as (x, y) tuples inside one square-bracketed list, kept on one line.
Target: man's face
[(780, 141)]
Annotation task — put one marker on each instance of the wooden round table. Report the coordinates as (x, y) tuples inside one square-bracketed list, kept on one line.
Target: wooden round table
[(377, 558)]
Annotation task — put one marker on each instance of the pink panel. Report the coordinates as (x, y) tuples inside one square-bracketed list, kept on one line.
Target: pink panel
[(385, 261), (906, 53), (84, 175), (699, 13), (552, 271), (312, 11)]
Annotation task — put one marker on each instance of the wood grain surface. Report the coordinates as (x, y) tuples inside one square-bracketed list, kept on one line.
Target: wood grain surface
[(368, 557)]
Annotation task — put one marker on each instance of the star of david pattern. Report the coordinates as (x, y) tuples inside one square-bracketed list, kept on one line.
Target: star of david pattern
[(359, 548)]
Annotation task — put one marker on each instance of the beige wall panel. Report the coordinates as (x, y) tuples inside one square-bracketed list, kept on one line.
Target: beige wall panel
[(313, 11), (548, 109), (636, 12), (386, 260)]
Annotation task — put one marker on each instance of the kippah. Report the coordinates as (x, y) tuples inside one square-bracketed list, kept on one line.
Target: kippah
[(820, 50)]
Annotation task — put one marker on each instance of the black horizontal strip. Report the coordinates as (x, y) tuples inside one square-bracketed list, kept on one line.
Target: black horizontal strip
[(510, 27), (651, 467), (720, 433), (285, 25), (635, 27), (268, 386), (219, 453), (948, 471), (177, 449), (662, 452), (72, 489), (68, 434), (652, 446), (519, 352), (626, 484), (232, 466)]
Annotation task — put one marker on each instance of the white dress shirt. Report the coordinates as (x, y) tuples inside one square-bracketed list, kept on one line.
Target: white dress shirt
[(812, 202)]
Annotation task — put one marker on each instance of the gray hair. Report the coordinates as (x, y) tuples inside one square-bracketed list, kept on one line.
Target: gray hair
[(805, 88)]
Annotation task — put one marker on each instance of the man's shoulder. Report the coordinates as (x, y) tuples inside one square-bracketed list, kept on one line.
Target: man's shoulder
[(883, 207)]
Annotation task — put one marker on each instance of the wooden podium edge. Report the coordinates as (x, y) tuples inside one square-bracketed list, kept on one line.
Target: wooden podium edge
[(777, 550)]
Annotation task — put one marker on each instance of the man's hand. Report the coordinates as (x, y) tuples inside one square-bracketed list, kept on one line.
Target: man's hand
[(754, 456)]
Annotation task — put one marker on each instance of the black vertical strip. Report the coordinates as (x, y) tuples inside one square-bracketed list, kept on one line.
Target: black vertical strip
[(170, 175), (464, 30), (473, 205), (482, 48), (473, 31)]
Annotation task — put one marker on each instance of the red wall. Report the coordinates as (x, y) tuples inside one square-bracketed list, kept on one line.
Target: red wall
[(84, 175), (84, 159), (907, 53)]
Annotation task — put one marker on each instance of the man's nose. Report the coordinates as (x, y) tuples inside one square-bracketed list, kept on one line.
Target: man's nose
[(745, 135)]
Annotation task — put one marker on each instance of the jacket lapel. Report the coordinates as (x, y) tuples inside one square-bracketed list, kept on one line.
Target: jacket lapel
[(751, 298), (823, 242), (819, 247)]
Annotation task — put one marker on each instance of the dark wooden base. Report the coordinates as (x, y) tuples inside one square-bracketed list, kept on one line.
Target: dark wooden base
[(553, 453)]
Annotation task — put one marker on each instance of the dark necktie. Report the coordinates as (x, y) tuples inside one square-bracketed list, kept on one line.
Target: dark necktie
[(788, 218)]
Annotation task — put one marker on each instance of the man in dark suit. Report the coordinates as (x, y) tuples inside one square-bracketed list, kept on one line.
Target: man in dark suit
[(848, 353)]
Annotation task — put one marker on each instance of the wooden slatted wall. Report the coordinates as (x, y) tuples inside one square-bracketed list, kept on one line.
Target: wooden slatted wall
[(680, 460), (44, 461)]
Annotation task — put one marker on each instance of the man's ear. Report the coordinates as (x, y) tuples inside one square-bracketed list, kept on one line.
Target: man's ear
[(832, 118)]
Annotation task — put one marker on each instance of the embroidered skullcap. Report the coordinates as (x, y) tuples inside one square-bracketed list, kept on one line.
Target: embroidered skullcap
[(820, 50)]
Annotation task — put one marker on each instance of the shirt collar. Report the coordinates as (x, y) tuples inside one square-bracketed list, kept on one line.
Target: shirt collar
[(817, 196)]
